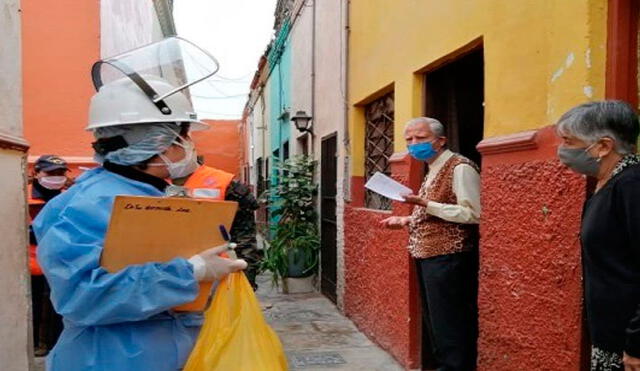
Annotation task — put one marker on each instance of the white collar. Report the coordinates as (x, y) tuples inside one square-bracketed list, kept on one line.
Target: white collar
[(439, 162)]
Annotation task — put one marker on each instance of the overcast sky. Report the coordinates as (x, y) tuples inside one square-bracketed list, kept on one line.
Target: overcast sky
[(236, 32)]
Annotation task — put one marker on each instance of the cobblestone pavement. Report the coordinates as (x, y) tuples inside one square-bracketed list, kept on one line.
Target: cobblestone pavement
[(315, 335)]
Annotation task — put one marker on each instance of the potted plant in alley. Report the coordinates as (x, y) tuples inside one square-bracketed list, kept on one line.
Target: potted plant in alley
[(293, 252)]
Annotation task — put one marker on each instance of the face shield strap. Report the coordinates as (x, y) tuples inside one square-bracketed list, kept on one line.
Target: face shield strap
[(135, 77)]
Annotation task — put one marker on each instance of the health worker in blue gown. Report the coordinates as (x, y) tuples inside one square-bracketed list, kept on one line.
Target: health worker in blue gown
[(123, 321)]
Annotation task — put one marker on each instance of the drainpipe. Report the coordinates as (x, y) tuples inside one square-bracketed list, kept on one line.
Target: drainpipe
[(345, 89), (313, 73)]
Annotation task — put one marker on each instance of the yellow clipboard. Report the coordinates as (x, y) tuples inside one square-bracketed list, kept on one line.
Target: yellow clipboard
[(158, 229)]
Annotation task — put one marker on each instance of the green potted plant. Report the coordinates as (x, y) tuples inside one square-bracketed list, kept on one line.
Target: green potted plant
[(293, 252)]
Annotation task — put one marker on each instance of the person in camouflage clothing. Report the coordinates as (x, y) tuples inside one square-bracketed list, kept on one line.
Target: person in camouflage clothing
[(243, 230)]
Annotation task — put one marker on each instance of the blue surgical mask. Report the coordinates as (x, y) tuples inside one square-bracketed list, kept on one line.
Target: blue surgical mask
[(422, 151)]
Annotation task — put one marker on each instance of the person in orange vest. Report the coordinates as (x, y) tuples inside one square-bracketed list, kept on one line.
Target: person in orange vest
[(209, 182), (49, 179)]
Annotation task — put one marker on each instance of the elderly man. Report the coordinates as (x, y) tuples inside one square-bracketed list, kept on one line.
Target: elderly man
[(443, 237)]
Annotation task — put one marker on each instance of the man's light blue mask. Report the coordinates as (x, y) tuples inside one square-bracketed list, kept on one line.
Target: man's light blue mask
[(422, 151)]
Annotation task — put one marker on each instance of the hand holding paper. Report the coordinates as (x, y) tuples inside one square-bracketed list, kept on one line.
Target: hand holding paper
[(387, 187), (415, 200)]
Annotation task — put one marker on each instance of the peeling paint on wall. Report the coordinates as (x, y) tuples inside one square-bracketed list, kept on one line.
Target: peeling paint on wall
[(587, 58), (551, 107), (568, 62), (557, 74), (588, 91)]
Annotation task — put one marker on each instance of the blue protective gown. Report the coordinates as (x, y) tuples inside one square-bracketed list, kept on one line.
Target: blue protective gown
[(112, 321)]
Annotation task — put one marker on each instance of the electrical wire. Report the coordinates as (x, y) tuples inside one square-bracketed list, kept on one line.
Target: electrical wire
[(246, 77), (230, 81), (220, 97)]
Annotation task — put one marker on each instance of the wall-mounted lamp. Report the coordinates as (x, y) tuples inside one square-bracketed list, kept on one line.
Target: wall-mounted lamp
[(302, 122)]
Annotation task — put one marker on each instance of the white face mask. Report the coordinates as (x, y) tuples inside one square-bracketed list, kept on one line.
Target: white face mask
[(184, 167), (53, 182)]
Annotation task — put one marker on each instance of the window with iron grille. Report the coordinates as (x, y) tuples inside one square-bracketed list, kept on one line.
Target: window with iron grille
[(378, 146)]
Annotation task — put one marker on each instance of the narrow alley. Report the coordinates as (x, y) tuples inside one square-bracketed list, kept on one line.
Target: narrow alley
[(316, 336), (410, 185)]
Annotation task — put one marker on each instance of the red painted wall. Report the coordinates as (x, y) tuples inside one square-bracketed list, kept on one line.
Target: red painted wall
[(60, 42), (530, 294), (221, 145), (381, 294), (530, 291)]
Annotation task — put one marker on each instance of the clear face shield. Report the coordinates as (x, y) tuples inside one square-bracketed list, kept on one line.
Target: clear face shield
[(174, 60)]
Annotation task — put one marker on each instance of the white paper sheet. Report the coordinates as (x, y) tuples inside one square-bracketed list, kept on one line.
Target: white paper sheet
[(389, 188)]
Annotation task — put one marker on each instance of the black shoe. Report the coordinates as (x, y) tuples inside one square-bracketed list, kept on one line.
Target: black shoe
[(40, 352)]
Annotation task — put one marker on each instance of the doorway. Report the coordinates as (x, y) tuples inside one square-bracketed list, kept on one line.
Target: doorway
[(328, 226), (454, 94)]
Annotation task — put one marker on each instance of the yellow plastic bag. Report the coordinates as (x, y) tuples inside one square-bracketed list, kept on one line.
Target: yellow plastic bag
[(235, 335)]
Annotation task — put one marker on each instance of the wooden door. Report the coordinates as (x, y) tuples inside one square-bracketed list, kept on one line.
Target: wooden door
[(328, 230)]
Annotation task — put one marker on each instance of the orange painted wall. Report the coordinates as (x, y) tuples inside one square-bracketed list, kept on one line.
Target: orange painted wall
[(60, 42), (221, 145)]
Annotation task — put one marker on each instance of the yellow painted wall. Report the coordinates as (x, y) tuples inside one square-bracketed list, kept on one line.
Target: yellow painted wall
[(541, 57)]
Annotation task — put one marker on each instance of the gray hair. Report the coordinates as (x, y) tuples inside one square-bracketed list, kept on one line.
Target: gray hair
[(436, 126), (592, 121)]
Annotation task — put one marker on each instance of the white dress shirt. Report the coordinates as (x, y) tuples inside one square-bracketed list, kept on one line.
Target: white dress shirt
[(466, 186)]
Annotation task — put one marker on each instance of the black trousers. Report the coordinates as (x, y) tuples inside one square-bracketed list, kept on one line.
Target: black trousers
[(449, 291), (47, 324), (37, 296)]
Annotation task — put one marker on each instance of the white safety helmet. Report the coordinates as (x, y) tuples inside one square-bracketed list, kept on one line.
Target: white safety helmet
[(122, 102), (149, 84)]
